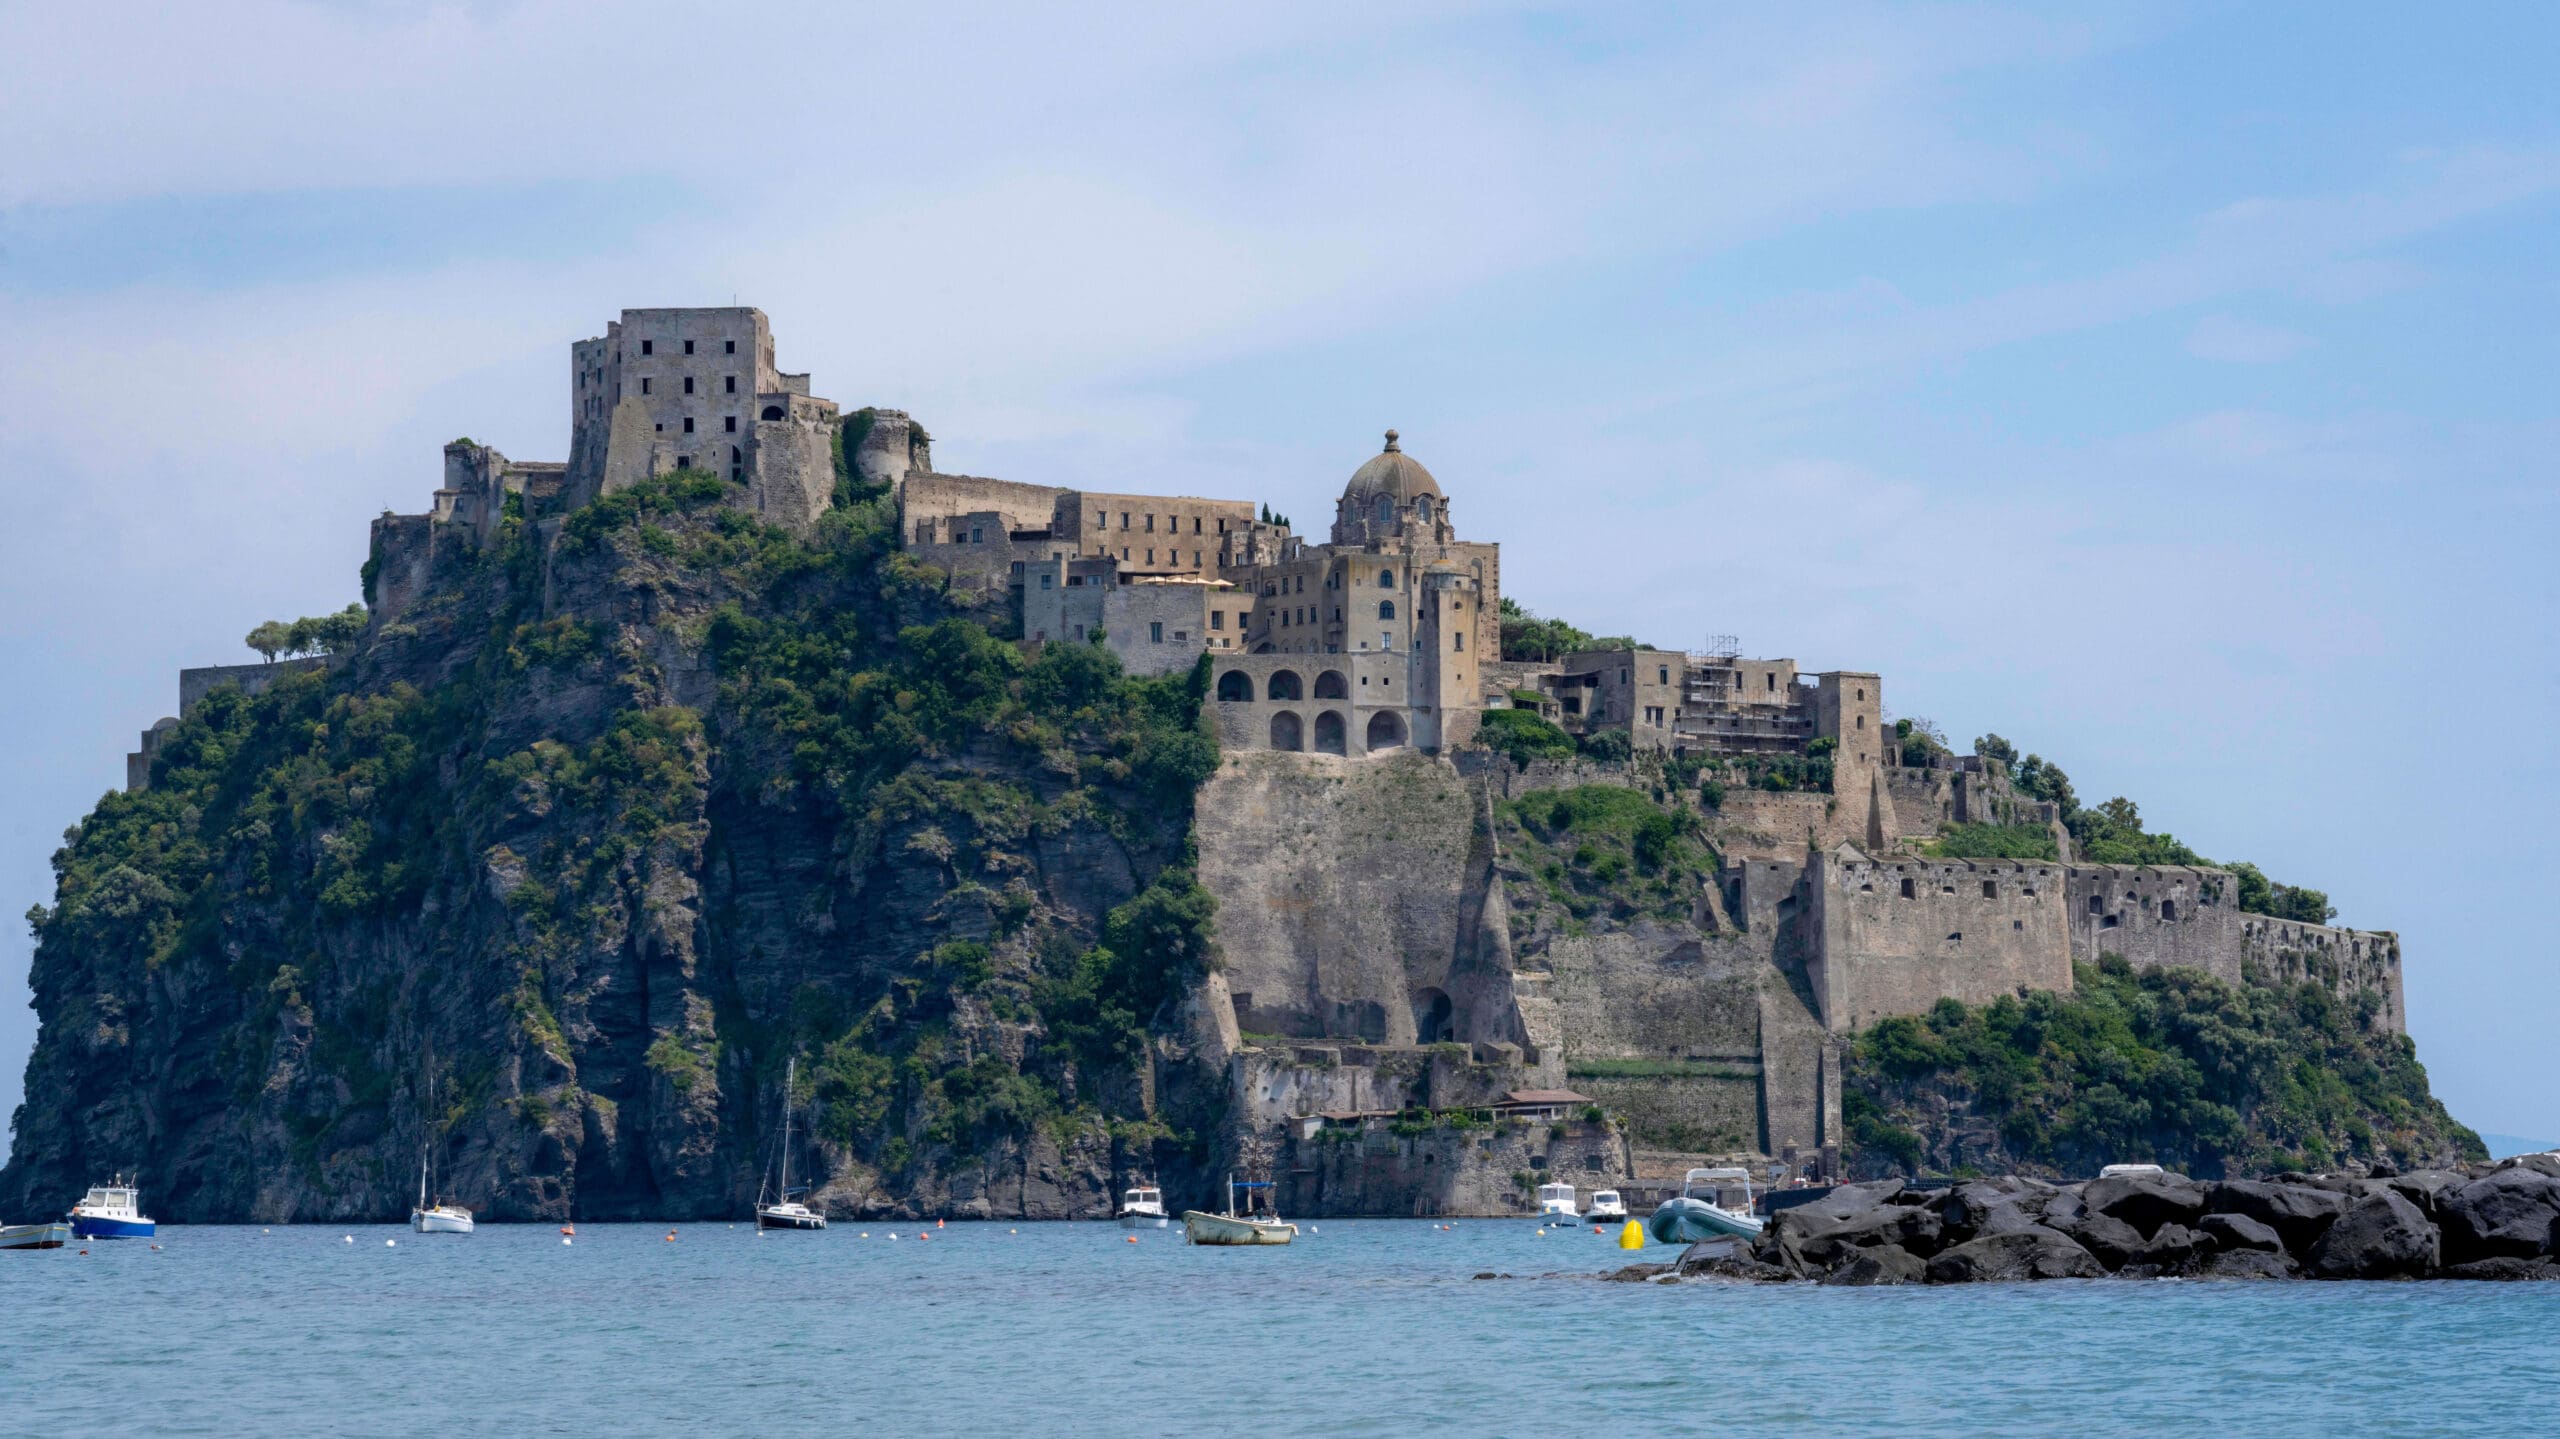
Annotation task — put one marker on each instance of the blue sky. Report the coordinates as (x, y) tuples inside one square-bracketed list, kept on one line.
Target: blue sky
[(2167, 389)]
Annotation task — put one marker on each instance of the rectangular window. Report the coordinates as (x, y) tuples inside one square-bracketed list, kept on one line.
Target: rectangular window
[(648, 347), (977, 536), (688, 424), (1665, 676), (1151, 524), (1990, 889), (684, 462), (1457, 640), (688, 384), (644, 384), (1181, 636), (732, 384), (1155, 632), (688, 347), (1217, 619), (732, 423), (728, 347), (1124, 519), (1151, 557), (1044, 581)]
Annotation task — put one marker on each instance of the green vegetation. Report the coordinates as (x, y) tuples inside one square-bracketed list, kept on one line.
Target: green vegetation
[(311, 635), (1607, 849), (1523, 736), (2166, 1066), (1993, 841), (1527, 637)]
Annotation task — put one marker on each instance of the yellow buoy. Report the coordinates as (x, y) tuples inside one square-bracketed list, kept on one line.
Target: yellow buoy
[(1632, 1237)]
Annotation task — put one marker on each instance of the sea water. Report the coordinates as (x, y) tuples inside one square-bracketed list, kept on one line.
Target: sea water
[(1364, 1327)]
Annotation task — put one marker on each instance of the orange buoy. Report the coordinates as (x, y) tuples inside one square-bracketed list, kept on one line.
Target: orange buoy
[(1133, 1239), (937, 1224)]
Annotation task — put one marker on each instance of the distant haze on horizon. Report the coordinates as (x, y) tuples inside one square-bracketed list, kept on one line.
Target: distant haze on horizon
[(2168, 391)]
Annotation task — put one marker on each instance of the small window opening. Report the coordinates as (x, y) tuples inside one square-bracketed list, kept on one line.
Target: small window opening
[(1910, 890)]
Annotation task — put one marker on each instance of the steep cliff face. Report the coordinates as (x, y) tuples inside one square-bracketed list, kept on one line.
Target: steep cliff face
[(551, 877)]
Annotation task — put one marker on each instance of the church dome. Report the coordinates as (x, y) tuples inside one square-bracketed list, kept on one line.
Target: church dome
[(1392, 473)]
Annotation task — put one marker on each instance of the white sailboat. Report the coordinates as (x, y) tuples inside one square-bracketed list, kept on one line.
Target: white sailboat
[(786, 1212), (437, 1217)]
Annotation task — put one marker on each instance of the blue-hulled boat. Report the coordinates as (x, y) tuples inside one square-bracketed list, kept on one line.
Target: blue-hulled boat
[(112, 1211)]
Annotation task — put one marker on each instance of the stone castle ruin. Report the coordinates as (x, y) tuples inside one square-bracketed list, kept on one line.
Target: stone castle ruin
[(1381, 949)]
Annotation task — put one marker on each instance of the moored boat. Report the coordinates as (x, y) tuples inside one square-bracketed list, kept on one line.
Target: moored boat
[(1556, 1201), (1685, 1218), (1606, 1204), (785, 1212), (1142, 1208), (35, 1236), (111, 1211), (1232, 1228)]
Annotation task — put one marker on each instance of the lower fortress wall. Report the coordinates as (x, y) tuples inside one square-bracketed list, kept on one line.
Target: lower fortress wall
[(1381, 956)]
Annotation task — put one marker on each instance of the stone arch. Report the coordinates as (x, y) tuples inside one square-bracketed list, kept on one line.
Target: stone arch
[(1284, 685), (772, 412), (1287, 732), (1332, 735), (1386, 730), (1434, 1017), (1386, 609), (1235, 685), (1332, 686)]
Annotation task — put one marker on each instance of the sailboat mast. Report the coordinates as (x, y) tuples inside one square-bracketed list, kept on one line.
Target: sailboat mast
[(790, 1072)]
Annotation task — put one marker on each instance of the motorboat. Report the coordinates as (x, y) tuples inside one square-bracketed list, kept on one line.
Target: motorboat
[(786, 1212), (1557, 1201), (1233, 1228), (1686, 1218), (111, 1211), (2124, 1171), (1142, 1208), (1606, 1205), (35, 1236)]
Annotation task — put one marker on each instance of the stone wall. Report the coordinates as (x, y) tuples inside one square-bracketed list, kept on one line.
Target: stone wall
[(1160, 627), (1370, 1168), (1895, 936), (2348, 961), (2157, 917)]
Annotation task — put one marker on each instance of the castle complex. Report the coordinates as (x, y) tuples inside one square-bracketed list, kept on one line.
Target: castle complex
[(1354, 836)]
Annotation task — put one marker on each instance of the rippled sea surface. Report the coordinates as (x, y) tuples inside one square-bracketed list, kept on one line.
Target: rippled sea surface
[(1364, 1327)]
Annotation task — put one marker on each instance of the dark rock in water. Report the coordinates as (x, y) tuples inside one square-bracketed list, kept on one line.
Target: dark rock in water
[(1986, 1206), (1886, 1264), (2245, 1264), (2173, 1248), (1635, 1273), (2298, 1213), (2065, 1208), (2381, 1169), (2113, 1240), (2031, 1253), (2382, 1236), (2513, 1213), (2146, 1201), (1740, 1267), (2239, 1231), (2425, 1188), (2502, 1268)]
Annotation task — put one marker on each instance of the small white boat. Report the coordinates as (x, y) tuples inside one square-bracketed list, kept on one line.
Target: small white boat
[(1557, 1201), (35, 1236), (1686, 1218), (1606, 1205), (786, 1212), (1232, 1228), (1142, 1208), (111, 1211), (439, 1217), (2119, 1171)]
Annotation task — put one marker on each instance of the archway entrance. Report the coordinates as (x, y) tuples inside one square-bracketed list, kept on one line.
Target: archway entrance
[(1433, 1016), (1287, 732), (1235, 685), (1386, 730), (1332, 733)]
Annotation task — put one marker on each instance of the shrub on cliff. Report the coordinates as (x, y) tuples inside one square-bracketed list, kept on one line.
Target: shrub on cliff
[(1523, 736), (2167, 1066)]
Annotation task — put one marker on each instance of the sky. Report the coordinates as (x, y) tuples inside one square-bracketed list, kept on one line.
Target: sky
[(2168, 388)]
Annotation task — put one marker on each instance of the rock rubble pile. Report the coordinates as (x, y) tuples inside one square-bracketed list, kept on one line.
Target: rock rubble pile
[(2484, 1221)]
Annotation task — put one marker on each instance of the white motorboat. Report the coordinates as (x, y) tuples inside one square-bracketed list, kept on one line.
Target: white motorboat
[(111, 1211), (785, 1212), (1232, 1228), (1142, 1208), (1685, 1218), (1557, 1201), (1606, 1205), (2122, 1171), (35, 1236)]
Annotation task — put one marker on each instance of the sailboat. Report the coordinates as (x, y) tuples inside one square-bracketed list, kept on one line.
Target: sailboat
[(786, 1212), (439, 1217)]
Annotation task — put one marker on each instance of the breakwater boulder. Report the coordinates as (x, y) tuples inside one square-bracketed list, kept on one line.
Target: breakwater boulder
[(2488, 1222)]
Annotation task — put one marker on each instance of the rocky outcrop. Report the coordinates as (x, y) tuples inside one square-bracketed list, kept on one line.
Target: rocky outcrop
[(2341, 1226)]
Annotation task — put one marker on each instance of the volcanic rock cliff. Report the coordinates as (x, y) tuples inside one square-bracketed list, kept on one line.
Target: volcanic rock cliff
[(549, 878)]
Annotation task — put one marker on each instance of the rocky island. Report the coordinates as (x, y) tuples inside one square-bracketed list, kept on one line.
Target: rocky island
[(1064, 838)]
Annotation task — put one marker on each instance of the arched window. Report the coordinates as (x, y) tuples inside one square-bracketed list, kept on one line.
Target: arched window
[(1386, 609), (1235, 685), (1332, 686), (773, 412), (1284, 685), (1385, 730), (1386, 513), (1287, 732), (1331, 735), (1422, 509), (1386, 579)]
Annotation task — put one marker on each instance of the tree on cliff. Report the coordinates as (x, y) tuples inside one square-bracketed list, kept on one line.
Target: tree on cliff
[(270, 639), (310, 635)]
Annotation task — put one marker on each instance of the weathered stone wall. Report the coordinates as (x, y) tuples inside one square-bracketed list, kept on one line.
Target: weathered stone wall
[(1895, 936), (2348, 961), (1159, 627), (925, 497), (1694, 1113), (789, 459), (1371, 1169), (2157, 916), (1354, 897)]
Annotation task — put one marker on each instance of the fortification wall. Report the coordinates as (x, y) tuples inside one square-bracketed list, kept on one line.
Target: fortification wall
[(1895, 936), (2348, 961), (1371, 1169), (925, 497), (2157, 917), (195, 684), (789, 460), (1355, 900)]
